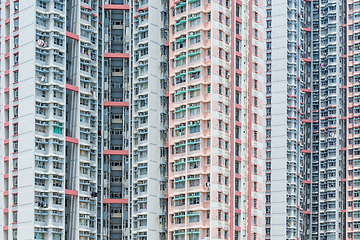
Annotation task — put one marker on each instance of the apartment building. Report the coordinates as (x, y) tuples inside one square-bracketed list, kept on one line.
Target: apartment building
[(216, 116), (148, 119), (304, 129), (351, 91), (85, 119), (284, 111), (48, 120), (324, 166), (157, 119)]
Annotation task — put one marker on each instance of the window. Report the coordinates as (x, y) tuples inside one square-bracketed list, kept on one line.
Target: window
[(41, 4), (16, 41), (268, 34), (15, 164), (15, 182), (58, 6), (16, 58), (40, 22), (58, 41), (15, 217), (268, 23), (15, 129), (194, 20), (16, 111), (16, 24), (58, 24), (195, 4)]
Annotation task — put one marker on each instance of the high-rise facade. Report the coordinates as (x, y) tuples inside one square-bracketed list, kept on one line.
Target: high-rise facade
[(179, 119), (87, 82), (325, 141), (113, 120), (283, 127), (215, 124), (323, 108), (351, 111), (48, 118), (304, 194)]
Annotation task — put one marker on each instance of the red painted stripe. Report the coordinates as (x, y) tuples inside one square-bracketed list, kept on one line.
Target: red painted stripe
[(72, 88), (6, 210), (306, 90), (123, 201), (142, 9), (6, 107), (6, 141), (307, 29), (6, 193), (6, 175), (71, 192), (306, 182), (306, 151), (7, 38), (116, 55), (116, 7), (72, 36), (7, 20), (116, 104), (72, 140), (6, 124), (116, 152), (5, 228), (306, 59), (249, 236), (7, 72), (306, 212), (6, 158), (89, 8), (7, 55)]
